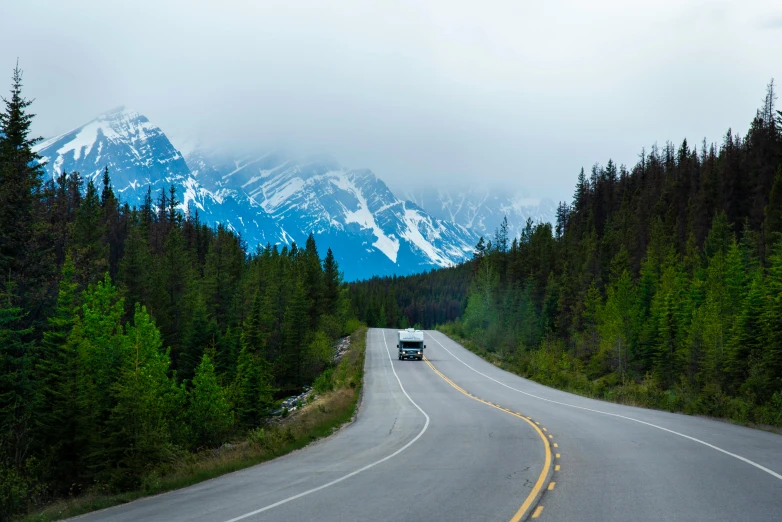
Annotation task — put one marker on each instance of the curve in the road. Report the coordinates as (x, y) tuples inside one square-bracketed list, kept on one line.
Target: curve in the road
[(699, 441), (545, 473), (356, 472), (416, 451)]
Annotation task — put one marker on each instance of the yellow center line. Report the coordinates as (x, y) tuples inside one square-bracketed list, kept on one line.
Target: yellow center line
[(546, 466), (551, 485), (556, 468)]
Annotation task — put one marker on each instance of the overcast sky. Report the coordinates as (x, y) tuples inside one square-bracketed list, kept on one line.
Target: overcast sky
[(503, 92)]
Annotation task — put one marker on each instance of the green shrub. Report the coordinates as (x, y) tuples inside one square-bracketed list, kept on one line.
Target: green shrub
[(256, 436), (739, 410), (351, 325), (16, 491), (324, 382)]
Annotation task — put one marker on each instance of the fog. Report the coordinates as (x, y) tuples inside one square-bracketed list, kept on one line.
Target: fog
[(514, 93)]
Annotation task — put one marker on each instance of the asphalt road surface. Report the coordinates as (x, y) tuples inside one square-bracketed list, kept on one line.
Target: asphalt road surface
[(456, 438)]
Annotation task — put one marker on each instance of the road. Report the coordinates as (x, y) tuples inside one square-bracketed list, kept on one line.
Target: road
[(456, 438)]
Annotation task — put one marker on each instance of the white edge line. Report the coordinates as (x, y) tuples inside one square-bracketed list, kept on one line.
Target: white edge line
[(712, 446), (354, 473)]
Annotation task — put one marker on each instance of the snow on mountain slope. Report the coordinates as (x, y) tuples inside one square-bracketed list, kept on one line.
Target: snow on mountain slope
[(268, 197), (352, 211), (482, 210), (136, 151), (140, 156)]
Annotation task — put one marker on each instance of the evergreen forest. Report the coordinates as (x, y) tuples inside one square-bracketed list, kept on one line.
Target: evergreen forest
[(658, 285), (130, 336)]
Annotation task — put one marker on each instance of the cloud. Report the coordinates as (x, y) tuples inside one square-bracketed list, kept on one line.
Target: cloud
[(515, 93), (774, 22)]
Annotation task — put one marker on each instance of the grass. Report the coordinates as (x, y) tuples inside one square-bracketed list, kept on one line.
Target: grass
[(333, 408)]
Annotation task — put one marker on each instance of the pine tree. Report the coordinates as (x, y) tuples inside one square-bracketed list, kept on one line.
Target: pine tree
[(134, 269), (382, 317), (480, 249), (737, 277), (200, 334), (772, 325), (563, 213), (582, 187), (209, 412), (89, 251), (253, 382), (111, 214), (20, 394), (20, 185), (137, 429), (332, 281), (174, 217), (147, 214), (529, 324), (501, 236), (253, 338), (746, 341), (718, 308), (98, 338), (590, 318), (313, 282), (619, 317), (293, 331), (172, 273), (227, 352), (57, 373), (222, 273)]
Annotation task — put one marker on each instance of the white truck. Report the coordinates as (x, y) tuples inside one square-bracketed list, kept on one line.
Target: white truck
[(411, 344)]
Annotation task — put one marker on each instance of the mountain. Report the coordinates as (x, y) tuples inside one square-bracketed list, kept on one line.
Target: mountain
[(482, 210), (268, 197), (351, 211), (140, 156)]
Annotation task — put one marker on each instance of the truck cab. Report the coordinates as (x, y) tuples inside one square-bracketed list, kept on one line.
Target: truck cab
[(410, 343)]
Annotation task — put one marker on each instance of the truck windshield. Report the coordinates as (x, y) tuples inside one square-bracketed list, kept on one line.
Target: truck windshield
[(412, 344)]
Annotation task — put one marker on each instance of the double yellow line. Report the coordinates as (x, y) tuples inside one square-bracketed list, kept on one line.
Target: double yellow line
[(538, 488)]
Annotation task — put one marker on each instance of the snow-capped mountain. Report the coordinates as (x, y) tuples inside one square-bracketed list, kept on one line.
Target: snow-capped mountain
[(482, 210), (351, 211), (139, 155), (269, 197)]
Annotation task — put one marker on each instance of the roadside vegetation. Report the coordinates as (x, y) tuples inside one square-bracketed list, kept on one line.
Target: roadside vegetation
[(552, 366), (333, 403), (659, 285), (134, 341)]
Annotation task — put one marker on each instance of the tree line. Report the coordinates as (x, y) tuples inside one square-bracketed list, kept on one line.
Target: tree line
[(421, 300), (660, 284), (130, 336)]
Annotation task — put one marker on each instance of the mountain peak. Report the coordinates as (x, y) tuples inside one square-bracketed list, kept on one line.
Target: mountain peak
[(266, 195), (135, 150), (482, 209)]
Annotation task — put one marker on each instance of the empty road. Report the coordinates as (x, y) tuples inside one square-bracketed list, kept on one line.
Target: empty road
[(456, 438)]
